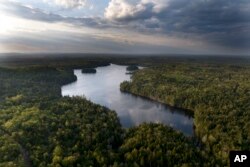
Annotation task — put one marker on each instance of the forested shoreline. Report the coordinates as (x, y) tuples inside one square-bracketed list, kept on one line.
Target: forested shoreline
[(38, 127), (217, 93)]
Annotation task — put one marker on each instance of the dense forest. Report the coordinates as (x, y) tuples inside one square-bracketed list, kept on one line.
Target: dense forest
[(218, 94), (38, 127), (132, 68)]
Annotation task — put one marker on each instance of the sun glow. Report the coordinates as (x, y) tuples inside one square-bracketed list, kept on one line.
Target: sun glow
[(7, 23)]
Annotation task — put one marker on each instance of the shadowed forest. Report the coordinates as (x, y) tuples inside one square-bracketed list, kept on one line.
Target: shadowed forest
[(39, 127)]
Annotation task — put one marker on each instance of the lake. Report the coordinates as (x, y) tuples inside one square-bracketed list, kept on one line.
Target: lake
[(103, 88)]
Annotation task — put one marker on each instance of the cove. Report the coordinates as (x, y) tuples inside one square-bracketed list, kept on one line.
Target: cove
[(103, 88)]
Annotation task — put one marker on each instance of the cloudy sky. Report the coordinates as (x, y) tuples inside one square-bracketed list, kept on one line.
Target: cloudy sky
[(126, 26)]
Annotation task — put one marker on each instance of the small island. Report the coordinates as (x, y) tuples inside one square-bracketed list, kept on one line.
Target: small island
[(89, 70), (132, 68)]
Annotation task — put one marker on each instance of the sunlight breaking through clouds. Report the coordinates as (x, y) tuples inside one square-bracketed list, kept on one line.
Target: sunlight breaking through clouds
[(167, 26)]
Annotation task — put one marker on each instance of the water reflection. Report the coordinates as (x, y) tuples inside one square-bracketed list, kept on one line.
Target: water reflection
[(104, 88)]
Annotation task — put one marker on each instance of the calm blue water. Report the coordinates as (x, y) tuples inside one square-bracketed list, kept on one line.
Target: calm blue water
[(104, 88)]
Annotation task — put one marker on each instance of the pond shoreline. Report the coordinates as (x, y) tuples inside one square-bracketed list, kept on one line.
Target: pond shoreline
[(103, 88), (187, 112)]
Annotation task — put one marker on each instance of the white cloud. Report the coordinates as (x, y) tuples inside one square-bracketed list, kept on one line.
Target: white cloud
[(69, 3), (123, 9), (119, 9)]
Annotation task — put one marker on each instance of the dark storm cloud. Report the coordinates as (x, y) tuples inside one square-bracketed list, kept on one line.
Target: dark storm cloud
[(225, 22)]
